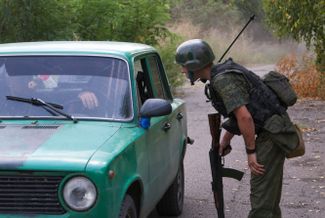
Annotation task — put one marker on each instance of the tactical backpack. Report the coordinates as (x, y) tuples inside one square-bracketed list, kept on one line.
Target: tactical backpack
[(280, 85)]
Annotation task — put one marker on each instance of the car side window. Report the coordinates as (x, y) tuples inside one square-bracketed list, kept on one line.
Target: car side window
[(156, 77), (144, 89)]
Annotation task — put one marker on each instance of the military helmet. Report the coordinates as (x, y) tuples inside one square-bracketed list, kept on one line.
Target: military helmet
[(194, 54)]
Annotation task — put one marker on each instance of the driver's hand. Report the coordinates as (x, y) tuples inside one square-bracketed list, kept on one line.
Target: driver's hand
[(88, 99)]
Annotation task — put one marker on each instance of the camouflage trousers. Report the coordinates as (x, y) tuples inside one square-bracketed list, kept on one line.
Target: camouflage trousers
[(266, 189)]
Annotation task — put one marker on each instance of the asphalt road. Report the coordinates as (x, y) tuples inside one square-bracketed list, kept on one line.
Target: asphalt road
[(304, 183)]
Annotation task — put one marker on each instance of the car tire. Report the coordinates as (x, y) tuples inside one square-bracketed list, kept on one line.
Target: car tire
[(128, 208), (171, 203)]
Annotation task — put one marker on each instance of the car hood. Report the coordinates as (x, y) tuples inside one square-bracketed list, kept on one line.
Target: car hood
[(63, 147)]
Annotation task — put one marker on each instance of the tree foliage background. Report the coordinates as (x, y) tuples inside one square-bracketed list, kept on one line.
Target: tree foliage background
[(35, 20), (303, 20), (136, 21), (28, 20)]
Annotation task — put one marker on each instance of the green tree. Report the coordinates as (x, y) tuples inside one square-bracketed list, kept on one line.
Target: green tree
[(137, 20), (122, 20), (302, 20), (30, 20)]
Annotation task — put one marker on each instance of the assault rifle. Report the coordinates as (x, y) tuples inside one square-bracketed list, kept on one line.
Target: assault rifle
[(217, 165)]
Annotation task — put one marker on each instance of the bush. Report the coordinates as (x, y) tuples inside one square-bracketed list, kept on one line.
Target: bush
[(167, 50), (303, 75)]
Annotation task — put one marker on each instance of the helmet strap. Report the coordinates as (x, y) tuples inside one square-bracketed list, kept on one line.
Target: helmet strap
[(190, 76)]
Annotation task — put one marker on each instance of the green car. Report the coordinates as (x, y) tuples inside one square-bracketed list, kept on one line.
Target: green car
[(88, 129)]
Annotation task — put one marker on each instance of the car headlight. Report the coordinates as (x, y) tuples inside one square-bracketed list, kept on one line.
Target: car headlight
[(79, 193)]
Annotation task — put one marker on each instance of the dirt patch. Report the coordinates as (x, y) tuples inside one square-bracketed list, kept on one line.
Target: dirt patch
[(304, 189)]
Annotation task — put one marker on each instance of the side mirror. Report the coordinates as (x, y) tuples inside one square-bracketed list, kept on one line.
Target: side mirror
[(153, 107)]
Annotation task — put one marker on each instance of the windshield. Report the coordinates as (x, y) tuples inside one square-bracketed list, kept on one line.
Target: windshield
[(85, 86)]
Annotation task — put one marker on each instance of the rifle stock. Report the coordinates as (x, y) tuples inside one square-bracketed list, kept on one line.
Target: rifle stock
[(217, 169)]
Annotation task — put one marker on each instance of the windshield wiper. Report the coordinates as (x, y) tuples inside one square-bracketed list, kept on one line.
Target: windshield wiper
[(52, 108)]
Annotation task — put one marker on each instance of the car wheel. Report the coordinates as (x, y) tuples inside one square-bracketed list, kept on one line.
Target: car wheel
[(171, 203), (128, 208)]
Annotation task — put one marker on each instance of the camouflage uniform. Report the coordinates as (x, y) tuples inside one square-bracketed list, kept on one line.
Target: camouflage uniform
[(265, 189)]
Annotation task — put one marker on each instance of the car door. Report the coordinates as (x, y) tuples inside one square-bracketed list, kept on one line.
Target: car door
[(157, 137), (174, 122)]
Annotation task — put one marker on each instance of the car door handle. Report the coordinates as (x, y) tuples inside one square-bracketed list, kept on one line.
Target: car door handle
[(179, 116), (167, 126)]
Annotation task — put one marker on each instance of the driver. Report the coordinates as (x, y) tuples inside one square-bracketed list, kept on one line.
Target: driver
[(88, 98)]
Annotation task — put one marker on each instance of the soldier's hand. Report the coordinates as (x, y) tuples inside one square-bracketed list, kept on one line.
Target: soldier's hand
[(89, 100), (256, 168), (224, 149)]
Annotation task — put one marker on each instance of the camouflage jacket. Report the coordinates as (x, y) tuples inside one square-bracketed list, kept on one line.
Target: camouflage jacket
[(233, 86)]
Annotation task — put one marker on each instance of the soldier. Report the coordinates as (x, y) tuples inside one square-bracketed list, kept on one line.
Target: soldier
[(253, 110)]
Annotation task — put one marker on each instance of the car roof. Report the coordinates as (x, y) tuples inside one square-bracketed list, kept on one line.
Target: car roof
[(75, 47)]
